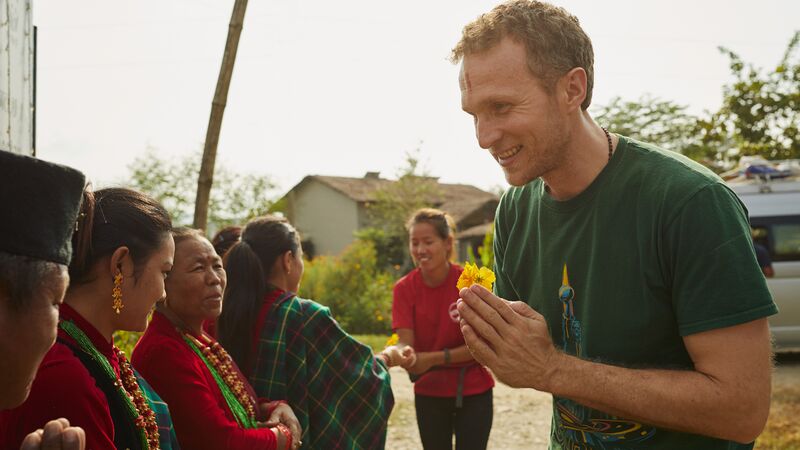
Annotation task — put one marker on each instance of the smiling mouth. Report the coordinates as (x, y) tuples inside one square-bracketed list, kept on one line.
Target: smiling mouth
[(509, 153)]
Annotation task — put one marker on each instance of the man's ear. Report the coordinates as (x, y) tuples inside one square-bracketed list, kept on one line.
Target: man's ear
[(573, 87)]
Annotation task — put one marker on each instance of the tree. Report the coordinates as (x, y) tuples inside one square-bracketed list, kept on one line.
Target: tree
[(393, 205), (660, 122), (234, 199), (760, 115), (761, 111)]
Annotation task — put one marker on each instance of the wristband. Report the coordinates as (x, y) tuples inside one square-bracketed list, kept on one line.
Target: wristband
[(446, 356), (284, 430)]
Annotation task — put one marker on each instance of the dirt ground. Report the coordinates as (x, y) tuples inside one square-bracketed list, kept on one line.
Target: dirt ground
[(521, 416)]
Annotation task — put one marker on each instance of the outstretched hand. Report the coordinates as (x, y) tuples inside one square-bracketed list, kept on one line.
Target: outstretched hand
[(508, 337), (56, 435), (399, 356)]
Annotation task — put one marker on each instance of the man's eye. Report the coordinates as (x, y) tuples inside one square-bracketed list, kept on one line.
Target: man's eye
[(501, 107)]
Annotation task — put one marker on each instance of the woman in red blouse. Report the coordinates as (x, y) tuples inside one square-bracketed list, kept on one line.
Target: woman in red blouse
[(210, 401), (453, 393), (122, 252)]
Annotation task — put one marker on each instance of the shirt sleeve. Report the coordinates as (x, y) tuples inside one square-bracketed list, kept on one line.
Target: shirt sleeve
[(716, 281), (502, 285), (196, 405), (402, 305)]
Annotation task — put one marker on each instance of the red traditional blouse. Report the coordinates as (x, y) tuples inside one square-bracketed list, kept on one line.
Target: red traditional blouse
[(200, 413), (63, 387)]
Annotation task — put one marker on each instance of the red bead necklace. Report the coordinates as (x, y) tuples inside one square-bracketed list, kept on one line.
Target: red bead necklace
[(223, 363), (147, 418)]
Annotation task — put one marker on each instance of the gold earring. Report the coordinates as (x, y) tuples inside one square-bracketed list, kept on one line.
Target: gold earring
[(116, 293)]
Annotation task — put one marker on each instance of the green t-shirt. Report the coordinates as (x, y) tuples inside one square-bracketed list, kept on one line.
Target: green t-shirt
[(656, 248)]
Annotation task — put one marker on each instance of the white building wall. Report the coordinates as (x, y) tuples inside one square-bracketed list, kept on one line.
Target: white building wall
[(325, 216)]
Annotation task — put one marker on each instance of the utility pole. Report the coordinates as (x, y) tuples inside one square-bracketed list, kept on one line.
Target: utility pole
[(206, 177)]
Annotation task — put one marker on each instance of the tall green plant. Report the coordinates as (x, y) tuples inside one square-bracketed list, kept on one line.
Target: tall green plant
[(485, 250)]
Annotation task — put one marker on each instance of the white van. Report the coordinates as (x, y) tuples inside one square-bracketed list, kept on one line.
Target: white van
[(774, 208)]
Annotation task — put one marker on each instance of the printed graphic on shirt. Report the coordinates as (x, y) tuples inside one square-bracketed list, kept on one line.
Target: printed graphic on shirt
[(576, 426), (570, 325), (452, 311), (581, 428)]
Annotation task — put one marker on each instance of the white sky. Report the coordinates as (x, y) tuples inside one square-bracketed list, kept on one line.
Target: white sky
[(344, 87)]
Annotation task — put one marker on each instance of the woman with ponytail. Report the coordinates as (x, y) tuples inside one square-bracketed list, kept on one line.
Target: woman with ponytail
[(292, 349), (211, 402), (122, 251)]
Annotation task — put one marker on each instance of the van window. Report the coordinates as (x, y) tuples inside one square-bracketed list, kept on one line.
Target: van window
[(780, 234), (787, 242)]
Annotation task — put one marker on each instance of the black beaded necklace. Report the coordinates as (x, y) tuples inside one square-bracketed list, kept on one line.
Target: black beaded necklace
[(610, 145)]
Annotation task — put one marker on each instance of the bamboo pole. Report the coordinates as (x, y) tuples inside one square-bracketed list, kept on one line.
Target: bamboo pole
[(205, 178)]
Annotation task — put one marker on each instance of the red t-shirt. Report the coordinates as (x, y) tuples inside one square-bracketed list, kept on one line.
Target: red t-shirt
[(431, 313)]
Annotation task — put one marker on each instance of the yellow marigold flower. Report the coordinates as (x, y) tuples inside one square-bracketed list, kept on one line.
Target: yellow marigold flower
[(393, 340), (472, 275)]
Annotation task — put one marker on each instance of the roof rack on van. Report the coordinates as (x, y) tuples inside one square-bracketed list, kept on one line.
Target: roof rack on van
[(755, 174)]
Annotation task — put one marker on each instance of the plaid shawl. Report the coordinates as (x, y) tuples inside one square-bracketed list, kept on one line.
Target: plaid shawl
[(340, 393), (166, 432)]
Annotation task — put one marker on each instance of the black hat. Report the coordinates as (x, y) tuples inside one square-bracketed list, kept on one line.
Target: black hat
[(39, 203)]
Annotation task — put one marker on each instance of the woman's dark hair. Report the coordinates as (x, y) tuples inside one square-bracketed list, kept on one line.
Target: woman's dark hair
[(248, 264), (112, 218), (442, 222), (225, 238)]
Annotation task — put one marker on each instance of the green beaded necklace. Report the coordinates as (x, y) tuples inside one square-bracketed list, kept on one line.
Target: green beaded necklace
[(236, 407), (87, 347)]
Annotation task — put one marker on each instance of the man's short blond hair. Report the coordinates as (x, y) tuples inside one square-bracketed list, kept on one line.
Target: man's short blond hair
[(553, 38)]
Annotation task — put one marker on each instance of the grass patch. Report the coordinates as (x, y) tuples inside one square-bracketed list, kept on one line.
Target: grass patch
[(376, 341), (782, 431)]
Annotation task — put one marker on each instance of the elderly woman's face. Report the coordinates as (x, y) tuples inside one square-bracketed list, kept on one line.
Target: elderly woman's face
[(196, 282)]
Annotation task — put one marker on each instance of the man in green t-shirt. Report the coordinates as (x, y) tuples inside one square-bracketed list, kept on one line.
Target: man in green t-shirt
[(638, 302)]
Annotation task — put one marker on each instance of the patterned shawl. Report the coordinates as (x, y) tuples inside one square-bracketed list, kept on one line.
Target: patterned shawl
[(340, 393), (166, 432)]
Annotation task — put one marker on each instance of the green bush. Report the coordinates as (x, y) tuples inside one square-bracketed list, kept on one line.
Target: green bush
[(358, 293), (126, 340)]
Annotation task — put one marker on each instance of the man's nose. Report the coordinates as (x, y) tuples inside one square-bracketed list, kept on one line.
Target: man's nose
[(487, 133)]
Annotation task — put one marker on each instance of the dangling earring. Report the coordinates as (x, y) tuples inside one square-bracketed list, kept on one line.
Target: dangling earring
[(116, 293)]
